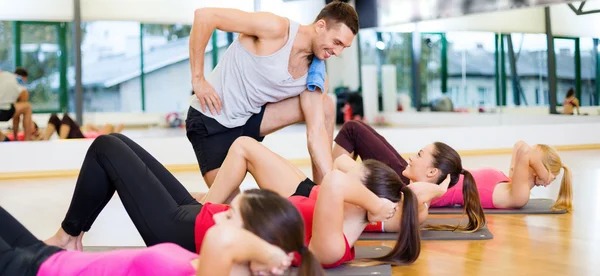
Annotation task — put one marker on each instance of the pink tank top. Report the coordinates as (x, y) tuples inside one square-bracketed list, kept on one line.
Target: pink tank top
[(92, 134), (161, 259), (486, 180)]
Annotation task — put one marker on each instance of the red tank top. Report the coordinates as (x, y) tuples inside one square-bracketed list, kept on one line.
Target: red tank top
[(205, 221), (306, 207)]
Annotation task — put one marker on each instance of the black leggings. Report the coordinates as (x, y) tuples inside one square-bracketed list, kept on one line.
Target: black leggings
[(364, 141), (160, 207), (20, 252)]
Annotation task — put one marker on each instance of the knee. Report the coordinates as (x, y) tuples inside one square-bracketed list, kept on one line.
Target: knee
[(118, 136), (104, 142), (241, 145), (23, 107)]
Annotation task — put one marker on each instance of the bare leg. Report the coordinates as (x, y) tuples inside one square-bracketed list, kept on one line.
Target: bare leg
[(108, 129), (64, 130), (339, 151), (48, 132), (209, 178), (287, 112), (23, 108), (91, 127), (119, 128), (270, 170)]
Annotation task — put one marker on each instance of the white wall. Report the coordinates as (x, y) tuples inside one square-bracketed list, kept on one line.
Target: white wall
[(36, 10), (510, 117), (302, 11), (530, 20), (68, 155), (147, 11), (566, 23)]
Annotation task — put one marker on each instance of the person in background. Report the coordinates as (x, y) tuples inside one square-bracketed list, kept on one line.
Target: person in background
[(14, 103), (570, 102)]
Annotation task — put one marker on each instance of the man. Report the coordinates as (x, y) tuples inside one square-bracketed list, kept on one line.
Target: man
[(14, 101), (259, 86)]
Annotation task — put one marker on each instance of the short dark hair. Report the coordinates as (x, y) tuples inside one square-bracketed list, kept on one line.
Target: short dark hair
[(340, 12), (21, 72)]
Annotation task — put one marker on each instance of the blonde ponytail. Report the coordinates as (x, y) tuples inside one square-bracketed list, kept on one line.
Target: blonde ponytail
[(565, 194)]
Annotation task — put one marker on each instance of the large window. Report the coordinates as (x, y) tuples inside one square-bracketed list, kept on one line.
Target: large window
[(167, 73), (40, 48), (431, 67), (471, 69), (7, 62), (564, 49), (529, 87), (589, 56), (388, 49), (111, 66), (397, 52)]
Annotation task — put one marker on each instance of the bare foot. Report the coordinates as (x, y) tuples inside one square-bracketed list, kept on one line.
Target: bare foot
[(63, 240)]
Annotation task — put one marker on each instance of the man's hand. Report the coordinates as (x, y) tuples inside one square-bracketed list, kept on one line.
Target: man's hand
[(207, 96)]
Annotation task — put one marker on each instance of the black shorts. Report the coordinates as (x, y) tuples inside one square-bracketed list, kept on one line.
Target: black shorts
[(6, 115), (304, 188), (211, 140)]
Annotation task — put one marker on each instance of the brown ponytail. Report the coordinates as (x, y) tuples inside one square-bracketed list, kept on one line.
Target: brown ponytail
[(447, 160), (385, 183), (472, 207), (309, 265), (408, 243)]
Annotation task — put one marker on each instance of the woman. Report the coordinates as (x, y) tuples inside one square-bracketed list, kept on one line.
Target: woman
[(530, 166), (162, 209), (67, 128), (570, 102), (335, 212), (23, 254)]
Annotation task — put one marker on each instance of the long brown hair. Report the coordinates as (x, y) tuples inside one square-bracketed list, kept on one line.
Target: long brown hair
[(276, 220), (553, 164), (385, 183), (448, 161)]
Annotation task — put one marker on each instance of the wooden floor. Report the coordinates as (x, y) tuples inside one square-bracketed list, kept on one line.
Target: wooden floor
[(567, 244)]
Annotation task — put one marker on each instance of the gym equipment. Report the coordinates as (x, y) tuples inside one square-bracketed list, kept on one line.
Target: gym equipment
[(534, 206), (442, 104), (481, 234), (174, 120)]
